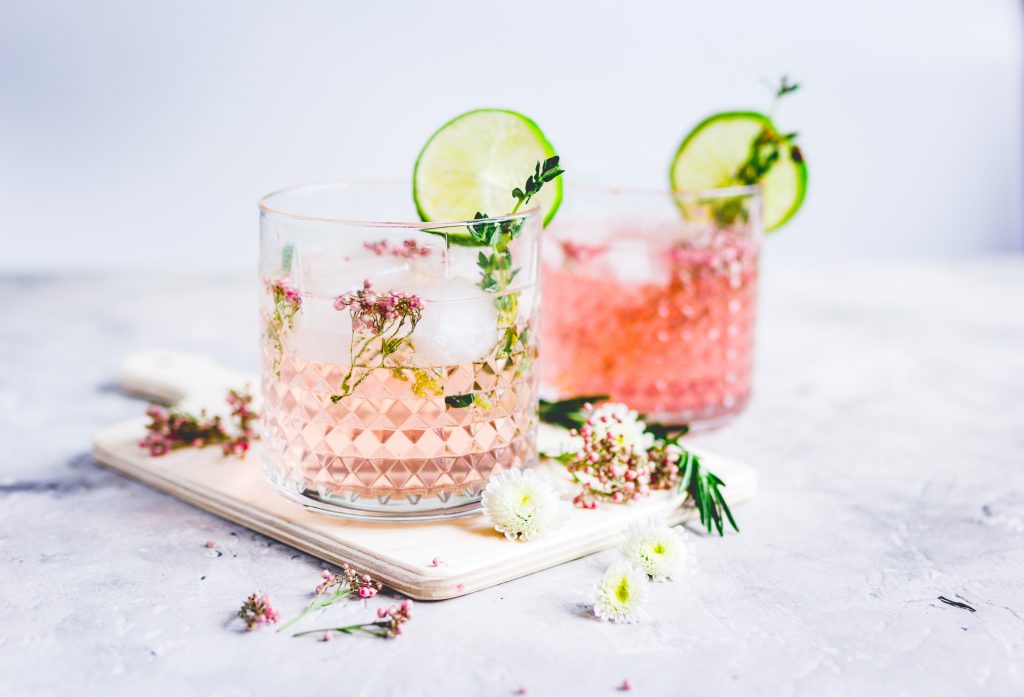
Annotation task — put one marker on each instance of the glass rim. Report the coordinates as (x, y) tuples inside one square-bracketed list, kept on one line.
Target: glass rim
[(266, 208), (738, 191)]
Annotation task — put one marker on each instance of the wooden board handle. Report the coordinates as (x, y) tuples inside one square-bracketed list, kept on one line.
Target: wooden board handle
[(172, 377)]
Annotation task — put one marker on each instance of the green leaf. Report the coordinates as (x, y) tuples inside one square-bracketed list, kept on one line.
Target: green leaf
[(568, 413), (459, 401)]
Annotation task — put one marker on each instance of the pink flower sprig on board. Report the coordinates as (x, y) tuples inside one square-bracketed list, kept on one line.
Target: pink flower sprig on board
[(170, 428), (608, 456), (338, 586), (389, 625), (257, 610), (616, 456), (240, 402)]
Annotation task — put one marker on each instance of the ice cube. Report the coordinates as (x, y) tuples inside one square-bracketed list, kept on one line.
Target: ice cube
[(321, 333), (462, 263), (633, 262), (331, 272), (459, 323)]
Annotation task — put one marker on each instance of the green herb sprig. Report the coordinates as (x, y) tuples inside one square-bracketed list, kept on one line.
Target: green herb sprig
[(766, 149), (496, 272), (705, 490), (495, 263), (769, 144)]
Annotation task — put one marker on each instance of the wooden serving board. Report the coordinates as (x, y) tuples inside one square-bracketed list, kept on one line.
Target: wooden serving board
[(472, 555)]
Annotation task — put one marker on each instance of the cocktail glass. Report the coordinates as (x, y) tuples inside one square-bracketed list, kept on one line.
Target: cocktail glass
[(651, 298), (396, 375)]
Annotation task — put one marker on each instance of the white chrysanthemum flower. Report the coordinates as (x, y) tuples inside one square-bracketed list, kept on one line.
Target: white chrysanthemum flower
[(661, 552), (622, 424), (520, 504), (621, 594)]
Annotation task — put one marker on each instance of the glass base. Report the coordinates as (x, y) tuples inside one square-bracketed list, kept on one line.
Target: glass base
[(384, 508), (702, 420)]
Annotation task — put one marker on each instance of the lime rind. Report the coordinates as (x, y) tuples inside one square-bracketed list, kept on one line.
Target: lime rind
[(447, 183), (703, 162)]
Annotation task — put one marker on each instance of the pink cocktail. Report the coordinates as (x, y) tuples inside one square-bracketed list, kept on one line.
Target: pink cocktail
[(652, 299), (393, 383)]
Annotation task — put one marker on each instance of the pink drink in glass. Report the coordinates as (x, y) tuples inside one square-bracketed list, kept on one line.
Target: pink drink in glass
[(657, 313), (385, 441)]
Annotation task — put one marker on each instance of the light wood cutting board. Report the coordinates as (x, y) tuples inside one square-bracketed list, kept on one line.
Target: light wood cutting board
[(401, 555)]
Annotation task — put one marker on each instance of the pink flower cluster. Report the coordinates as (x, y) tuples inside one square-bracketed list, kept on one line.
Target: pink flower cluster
[(374, 311), (579, 253), (394, 617), (171, 428), (664, 465), (611, 460), (257, 610), (362, 584), (282, 290), (241, 411), (409, 249)]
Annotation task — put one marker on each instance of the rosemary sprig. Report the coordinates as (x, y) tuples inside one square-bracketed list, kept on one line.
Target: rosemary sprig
[(568, 413), (701, 486), (704, 489)]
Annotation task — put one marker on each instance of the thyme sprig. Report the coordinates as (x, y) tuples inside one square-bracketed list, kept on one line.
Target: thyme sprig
[(496, 272), (684, 468), (766, 149), (495, 264)]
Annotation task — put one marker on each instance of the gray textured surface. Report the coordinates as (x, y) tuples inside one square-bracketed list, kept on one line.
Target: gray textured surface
[(887, 424)]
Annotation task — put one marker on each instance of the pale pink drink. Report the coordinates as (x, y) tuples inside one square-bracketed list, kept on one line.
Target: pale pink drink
[(651, 299), (393, 385)]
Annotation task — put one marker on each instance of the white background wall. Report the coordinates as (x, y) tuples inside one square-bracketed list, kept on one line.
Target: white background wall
[(142, 133)]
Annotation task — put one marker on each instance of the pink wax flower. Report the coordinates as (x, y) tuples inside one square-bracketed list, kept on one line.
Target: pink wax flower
[(394, 617), (257, 611), (609, 458), (373, 311)]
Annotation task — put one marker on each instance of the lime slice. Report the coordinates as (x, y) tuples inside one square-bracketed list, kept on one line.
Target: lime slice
[(473, 162), (713, 153)]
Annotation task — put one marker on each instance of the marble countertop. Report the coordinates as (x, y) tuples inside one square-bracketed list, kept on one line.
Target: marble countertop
[(887, 426)]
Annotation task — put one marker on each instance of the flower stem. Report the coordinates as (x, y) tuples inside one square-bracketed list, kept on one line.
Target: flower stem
[(350, 629), (318, 605)]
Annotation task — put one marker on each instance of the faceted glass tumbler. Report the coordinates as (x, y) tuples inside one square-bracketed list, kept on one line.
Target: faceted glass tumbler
[(398, 359), (651, 298)]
